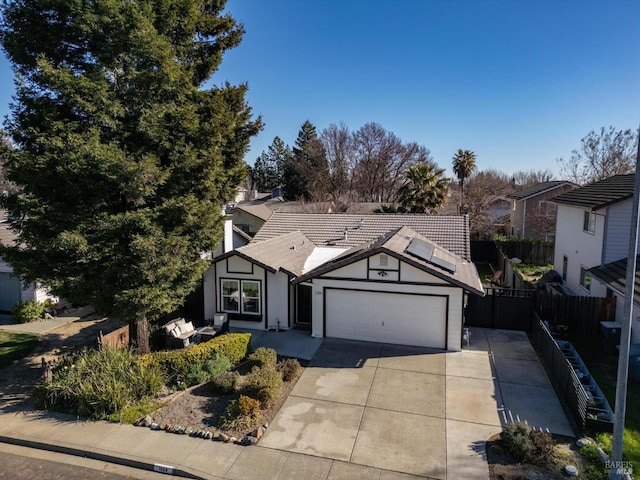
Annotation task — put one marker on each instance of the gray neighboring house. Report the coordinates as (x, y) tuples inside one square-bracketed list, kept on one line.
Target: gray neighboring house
[(532, 216), (12, 289), (399, 279)]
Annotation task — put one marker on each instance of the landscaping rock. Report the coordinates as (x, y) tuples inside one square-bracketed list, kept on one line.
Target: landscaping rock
[(233, 440), (258, 433), (581, 442), (249, 440), (147, 421), (571, 470), (216, 436), (188, 431), (162, 426), (154, 426), (223, 437), (208, 435)]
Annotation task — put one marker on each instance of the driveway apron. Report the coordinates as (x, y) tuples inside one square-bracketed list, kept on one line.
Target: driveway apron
[(415, 410)]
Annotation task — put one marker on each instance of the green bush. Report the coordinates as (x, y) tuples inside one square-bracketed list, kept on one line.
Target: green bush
[(225, 383), (263, 357), (202, 373), (527, 445), (263, 384), (26, 311), (290, 369), (99, 383), (176, 364), (594, 468), (240, 414), (136, 411)]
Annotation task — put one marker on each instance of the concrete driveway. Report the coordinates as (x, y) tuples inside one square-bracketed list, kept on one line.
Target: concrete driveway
[(414, 410)]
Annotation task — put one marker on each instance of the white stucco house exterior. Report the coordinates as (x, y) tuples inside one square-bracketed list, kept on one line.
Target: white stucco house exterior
[(592, 231), (386, 278)]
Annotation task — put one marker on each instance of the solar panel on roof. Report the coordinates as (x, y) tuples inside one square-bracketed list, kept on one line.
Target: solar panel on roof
[(432, 254)]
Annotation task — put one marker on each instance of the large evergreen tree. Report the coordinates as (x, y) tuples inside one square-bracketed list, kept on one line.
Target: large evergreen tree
[(268, 171), (306, 173), (123, 159)]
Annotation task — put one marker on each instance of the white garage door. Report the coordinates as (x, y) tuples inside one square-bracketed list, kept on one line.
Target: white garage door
[(386, 317), (9, 291)]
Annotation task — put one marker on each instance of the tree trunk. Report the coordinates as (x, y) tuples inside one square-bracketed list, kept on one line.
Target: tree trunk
[(139, 334)]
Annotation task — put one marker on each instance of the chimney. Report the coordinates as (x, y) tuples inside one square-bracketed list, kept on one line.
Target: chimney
[(227, 243)]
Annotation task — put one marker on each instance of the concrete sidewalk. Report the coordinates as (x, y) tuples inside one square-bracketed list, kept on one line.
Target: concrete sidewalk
[(178, 454), (43, 326)]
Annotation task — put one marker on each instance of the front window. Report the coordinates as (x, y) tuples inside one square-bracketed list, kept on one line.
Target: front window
[(250, 297), (233, 303), (230, 289), (589, 222), (585, 279)]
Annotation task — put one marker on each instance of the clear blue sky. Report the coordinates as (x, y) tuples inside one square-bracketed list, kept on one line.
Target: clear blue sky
[(519, 82)]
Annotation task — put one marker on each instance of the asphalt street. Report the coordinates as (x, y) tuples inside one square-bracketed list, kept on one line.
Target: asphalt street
[(21, 463)]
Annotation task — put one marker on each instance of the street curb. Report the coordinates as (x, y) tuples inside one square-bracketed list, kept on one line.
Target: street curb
[(94, 455)]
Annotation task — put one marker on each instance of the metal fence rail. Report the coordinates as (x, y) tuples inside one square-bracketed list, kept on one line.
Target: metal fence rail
[(572, 381)]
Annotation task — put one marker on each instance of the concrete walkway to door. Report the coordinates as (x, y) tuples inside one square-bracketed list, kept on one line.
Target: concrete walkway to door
[(415, 411)]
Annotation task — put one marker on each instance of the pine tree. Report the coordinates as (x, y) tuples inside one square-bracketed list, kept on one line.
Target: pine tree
[(306, 173), (268, 171), (123, 159)]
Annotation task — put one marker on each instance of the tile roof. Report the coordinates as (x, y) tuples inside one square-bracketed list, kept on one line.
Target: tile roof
[(258, 210), (287, 252), (328, 229), (397, 243), (599, 194), (614, 274), (537, 189)]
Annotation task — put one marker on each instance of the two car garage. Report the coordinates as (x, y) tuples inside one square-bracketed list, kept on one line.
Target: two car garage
[(387, 317)]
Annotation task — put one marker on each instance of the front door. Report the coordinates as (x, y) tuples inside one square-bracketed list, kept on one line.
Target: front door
[(303, 310)]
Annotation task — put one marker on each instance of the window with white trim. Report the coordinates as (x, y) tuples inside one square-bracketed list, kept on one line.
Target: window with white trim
[(589, 224), (240, 296), (585, 279), (230, 289)]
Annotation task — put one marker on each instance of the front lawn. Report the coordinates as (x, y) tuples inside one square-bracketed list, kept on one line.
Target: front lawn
[(603, 366), (15, 345)]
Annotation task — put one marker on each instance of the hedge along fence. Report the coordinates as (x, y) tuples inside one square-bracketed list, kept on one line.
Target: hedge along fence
[(176, 364)]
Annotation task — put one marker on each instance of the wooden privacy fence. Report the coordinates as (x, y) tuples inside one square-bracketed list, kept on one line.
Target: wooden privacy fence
[(505, 308), (537, 253), (571, 380), (118, 338), (581, 315), (513, 309)]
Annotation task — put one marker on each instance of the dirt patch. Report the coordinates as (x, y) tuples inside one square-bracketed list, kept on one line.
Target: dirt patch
[(199, 408), (503, 467)]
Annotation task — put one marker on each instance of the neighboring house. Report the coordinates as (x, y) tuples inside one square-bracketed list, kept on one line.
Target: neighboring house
[(12, 289), (249, 217), (593, 225), (385, 278), (532, 216)]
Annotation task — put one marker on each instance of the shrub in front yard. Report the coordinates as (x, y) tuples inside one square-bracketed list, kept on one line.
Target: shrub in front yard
[(263, 357), (290, 369), (263, 384), (26, 311), (176, 364), (527, 445), (225, 383), (240, 414), (203, 372), (98, 383)]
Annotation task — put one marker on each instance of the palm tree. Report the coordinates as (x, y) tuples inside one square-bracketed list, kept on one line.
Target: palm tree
[(464, 163), (424, 188)]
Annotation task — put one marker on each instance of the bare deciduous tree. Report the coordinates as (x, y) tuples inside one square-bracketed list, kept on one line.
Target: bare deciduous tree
[(601, 155), (524, 178)]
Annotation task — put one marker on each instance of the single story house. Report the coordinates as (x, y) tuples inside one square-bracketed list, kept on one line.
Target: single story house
[(12, 288), (386, 278)]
